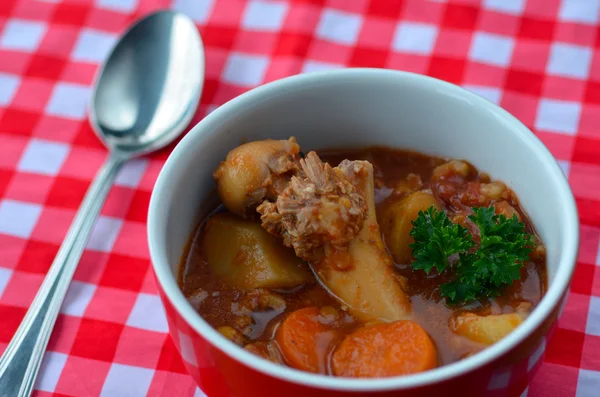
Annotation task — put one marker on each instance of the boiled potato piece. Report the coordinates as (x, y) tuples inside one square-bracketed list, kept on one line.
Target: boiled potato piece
[(450, 169), (486, 329), (504, 208), (369, 286), (254, 171), (396, 218), (246, 256)]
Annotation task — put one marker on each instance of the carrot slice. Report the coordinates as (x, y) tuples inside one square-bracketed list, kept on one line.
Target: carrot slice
[(305, 340), (387, 349)]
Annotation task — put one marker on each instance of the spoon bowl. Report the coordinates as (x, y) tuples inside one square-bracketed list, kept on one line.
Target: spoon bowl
[(155, 67)]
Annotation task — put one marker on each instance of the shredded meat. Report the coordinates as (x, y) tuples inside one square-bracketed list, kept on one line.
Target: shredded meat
[(319, 208), (259, 299), (267, 350), (256, 300)]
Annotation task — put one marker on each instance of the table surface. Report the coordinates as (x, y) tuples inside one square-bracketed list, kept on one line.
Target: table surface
[(538, 59)]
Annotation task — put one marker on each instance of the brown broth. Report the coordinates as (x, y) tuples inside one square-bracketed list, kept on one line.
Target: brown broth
[(429, 309)]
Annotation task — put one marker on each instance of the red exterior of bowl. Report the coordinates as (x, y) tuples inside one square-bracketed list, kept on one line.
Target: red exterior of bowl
[(219, 375)]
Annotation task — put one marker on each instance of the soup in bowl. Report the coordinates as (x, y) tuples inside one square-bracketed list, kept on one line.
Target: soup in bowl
[(361, 231)]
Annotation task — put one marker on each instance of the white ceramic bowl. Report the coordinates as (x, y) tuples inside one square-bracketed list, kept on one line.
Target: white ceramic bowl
[(357, 108)]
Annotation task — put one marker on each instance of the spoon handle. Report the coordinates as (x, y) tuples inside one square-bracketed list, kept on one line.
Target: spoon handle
[(21, 361)]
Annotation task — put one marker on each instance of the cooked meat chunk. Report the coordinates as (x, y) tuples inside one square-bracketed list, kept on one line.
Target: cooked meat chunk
[(319, 208), (246, 309), (261, 299), (267, 350), (328, 215), (255, 171)]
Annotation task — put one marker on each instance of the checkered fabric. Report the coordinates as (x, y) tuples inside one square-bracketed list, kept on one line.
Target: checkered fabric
[(538, 59)]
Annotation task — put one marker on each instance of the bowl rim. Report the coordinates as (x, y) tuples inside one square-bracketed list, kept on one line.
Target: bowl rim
[(208, 127)]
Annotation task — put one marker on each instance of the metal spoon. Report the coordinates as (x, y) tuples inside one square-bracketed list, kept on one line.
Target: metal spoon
[(145, 95)]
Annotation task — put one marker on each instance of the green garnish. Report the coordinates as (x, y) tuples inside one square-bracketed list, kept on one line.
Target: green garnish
[(478, 272), (436, 238)]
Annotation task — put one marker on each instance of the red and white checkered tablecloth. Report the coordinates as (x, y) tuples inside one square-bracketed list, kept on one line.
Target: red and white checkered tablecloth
[(539, 59)]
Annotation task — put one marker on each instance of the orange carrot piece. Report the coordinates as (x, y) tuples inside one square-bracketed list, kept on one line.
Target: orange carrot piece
[(305, 340), (387, 349)]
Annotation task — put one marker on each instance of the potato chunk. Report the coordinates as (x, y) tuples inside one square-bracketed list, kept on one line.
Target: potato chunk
[(396, 218), (450, 169), (246, 256), (504, 208), (486, 329), (255, 171), (493, 190), (368, 286)]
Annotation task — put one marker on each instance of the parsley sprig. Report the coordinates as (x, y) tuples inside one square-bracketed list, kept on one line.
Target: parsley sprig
[(478, 271), (436, 239)]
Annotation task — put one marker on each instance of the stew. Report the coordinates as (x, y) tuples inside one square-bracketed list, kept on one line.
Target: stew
[(361, 263)]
